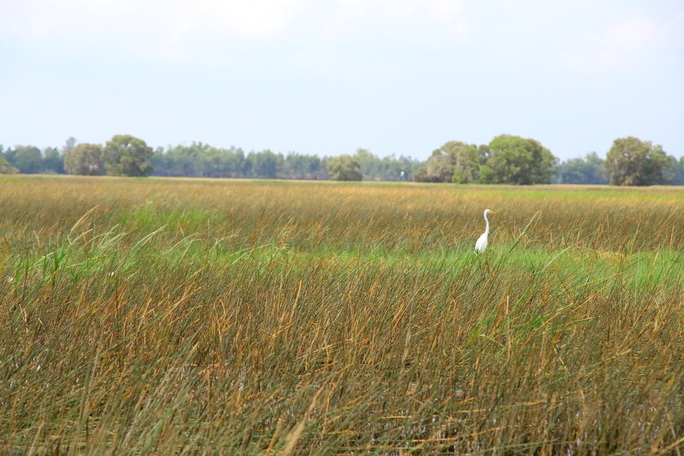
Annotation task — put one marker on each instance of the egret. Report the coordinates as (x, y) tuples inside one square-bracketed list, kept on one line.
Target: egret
[(481, 243)]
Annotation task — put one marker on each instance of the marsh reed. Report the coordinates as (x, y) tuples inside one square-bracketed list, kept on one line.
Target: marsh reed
[(246, 317)]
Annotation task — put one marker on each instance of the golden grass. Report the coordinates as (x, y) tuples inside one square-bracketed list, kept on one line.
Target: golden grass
[(244, 317)]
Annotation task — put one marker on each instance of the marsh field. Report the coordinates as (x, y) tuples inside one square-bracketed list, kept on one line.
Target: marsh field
[(162, 316)]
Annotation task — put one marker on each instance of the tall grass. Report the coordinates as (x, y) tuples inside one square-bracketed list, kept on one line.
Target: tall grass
[(242, 317)]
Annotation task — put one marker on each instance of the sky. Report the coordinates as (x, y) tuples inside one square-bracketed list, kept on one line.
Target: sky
[(326, 77)]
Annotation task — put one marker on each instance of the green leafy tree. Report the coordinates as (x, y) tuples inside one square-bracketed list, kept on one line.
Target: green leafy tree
[(235, 162), (675, 173), (372, 166), (369, 163), (420, 174), (455, 161), (215, 162), (388, 168), (183, 160), (264, 164), (469, 159), (516, 160), (53, 160), (302, 166), (631, 161), (586, 170), (344, 168), (9, 156), (161, 162), (440, 168), (84, 159), (442, 162), (400, 168), (28, 159), (6, 168), (126, 155), (70, 143)]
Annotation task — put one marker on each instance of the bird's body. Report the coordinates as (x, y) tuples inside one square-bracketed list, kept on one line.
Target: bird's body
[(481, 244)]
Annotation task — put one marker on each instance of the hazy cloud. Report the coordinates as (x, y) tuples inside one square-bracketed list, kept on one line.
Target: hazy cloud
[(624, 44), (173, 27), (397, 76)]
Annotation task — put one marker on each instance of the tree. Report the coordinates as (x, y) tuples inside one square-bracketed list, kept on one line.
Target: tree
[(70, 143), (215, 162), (126, 155), (675, 173), (469, 159), (344, 168), (28, 159), (5, 167), (455, 161), (301, 166), (9, 156), (84, 159), (440, 167), (394, 168), (420, 175), (235, 162), (181, 160), (368, 162), (388, 168), (587, 170), (265, 164), (53, 160), (516, 160), (631, 161)]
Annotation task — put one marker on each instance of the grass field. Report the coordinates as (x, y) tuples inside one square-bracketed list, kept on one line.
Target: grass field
[(249, 317)]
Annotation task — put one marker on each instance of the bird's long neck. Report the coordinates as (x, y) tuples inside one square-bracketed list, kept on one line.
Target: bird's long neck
[(487, 224)]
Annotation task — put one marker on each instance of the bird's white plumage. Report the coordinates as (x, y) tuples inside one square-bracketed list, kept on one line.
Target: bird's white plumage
[(481, 244)]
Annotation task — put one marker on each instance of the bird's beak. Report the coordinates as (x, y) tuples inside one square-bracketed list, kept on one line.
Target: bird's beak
[(492, 212)]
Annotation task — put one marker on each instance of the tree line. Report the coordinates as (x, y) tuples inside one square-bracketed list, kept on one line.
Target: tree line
[(507, 159), (125, 155)]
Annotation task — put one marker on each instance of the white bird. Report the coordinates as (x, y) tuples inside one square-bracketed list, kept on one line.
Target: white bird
[(481, 243)]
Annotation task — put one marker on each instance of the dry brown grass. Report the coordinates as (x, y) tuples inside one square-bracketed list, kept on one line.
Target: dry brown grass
[(241, 317)]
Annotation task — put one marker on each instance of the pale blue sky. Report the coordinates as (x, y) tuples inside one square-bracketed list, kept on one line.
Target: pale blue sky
[(326, 77)]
